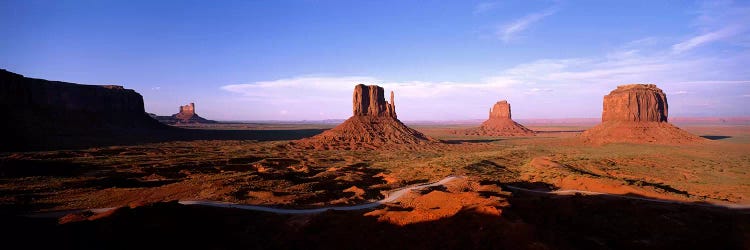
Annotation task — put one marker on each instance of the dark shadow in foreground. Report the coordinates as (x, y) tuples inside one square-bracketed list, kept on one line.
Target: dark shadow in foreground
[(530, 222)]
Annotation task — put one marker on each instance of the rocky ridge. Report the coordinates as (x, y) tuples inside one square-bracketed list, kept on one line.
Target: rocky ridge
[(38, 109)]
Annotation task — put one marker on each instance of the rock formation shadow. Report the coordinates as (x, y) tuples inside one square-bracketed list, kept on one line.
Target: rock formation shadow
[(559, 131), (459, 141), (716, 137), (137, 137), (530, 222), (606, 222)]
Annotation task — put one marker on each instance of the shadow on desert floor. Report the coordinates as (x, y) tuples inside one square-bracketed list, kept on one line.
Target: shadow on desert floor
[(133, 137), (716, 137), (528, 222), (460, 141), (559, 131)]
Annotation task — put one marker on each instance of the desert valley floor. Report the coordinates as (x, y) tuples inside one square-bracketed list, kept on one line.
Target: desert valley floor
[(491, 200)]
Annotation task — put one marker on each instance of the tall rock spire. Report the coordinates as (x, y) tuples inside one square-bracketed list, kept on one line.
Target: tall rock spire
[(373, 125), (370, 101)]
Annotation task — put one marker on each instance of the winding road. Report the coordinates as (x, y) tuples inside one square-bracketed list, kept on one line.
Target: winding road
[(390, 198), (393, 196)]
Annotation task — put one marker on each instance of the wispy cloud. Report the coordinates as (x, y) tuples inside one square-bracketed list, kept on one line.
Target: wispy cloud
[(484, 7), (717, 82), (307, 96), (536, 91), (508, 32), (705, 39), (717, 21), (696, 82), (577, 82)]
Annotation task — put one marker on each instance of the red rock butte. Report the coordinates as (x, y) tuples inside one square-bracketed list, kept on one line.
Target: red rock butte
[(186, 112), (373, 124), (498, 124), (186, 115), (637, 113)]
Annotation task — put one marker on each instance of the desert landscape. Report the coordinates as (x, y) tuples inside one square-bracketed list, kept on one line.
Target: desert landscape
[(109, 167), (531, 190)]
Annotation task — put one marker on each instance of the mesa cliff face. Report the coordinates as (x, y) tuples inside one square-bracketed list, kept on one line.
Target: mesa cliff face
[(37, 107), (636, 113), (498, 124), (373, 125), (635, 103), (501, 110)]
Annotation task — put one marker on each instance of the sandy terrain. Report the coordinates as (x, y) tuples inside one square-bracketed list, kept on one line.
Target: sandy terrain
[(148, 178)]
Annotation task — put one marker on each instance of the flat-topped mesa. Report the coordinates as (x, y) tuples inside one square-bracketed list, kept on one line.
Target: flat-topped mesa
[(635, 103), (40, 113), (636, 113), (501, 110), (186, 111), (186, 115), (369, 100)]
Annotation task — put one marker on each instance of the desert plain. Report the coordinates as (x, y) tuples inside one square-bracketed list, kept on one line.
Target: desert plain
[(657, 195), (546, 124)]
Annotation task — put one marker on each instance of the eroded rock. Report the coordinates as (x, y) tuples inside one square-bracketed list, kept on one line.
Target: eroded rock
[(637, 113), (370, 101), (373, 125), (498, 124), (635, 103), (186, 115)]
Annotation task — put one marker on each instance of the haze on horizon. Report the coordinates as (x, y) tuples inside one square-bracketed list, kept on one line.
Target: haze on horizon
[(300, 60)]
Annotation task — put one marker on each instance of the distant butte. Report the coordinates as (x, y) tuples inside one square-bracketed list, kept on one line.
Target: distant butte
[(186, 115), (498, 124), (373, 124), (637, 113)]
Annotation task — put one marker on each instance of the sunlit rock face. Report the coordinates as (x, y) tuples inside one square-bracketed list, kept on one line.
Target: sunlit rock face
[(635, 103), (499, 123), (637, 113), (373, 125), (501, 110), (369, 100)]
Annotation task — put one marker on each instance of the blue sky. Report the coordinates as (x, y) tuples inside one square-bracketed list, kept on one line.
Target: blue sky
[(446, 60)]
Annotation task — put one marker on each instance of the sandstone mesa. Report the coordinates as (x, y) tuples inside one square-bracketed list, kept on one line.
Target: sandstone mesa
[(186, 115), (637, 113)]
